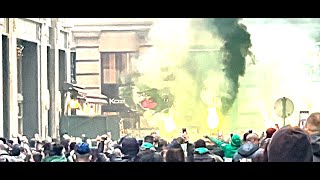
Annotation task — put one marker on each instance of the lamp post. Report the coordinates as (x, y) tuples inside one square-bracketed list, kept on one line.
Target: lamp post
[(284, 110)]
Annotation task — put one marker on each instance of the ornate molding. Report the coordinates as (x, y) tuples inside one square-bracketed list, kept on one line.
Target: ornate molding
[(20, 50)]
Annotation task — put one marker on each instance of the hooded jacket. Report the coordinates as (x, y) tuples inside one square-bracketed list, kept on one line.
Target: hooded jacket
[(55, 159), (315, 142), (229, 149), (248, 150)]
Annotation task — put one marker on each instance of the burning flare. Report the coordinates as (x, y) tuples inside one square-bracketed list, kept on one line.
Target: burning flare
[(213, 119), (169, 123)]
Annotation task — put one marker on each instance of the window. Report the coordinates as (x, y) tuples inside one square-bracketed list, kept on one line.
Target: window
[(73, 67), (114, 65)]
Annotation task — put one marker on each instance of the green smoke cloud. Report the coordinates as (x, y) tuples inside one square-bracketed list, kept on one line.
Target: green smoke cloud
[(196, 61), (236, 47)]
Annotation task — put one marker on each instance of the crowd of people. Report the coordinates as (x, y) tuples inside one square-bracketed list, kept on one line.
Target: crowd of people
[(287, 144)]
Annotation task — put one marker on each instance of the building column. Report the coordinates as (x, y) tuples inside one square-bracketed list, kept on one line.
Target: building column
[(1, 86), (54, 80), (68, 56), (44, 92), (12, 80)]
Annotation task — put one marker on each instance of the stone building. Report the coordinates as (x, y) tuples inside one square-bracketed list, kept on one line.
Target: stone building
[(35, 62)]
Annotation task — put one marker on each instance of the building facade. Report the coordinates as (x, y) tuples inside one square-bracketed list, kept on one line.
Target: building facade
[(35, 61), (104, 51)]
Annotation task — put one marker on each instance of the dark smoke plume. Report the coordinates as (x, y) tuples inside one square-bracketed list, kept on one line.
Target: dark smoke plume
[(237, 44)]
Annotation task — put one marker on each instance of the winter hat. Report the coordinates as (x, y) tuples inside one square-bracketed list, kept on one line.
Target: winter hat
[(83, 148), (130, 145), (290, 144)]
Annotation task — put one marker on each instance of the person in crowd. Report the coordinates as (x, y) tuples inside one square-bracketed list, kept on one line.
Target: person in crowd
[(269, 134), (4, 154), (156, 138), (148, 143), (117, 156), (16, 154), (175, 155), (202, 153), (162, 144), (46, 149), (313, 129), (83, 153), (229, 149), (290, 144), (36, 157), (214, 149), (130, 148), (147, 152), (70, 154), (249, 150), (56, 154)]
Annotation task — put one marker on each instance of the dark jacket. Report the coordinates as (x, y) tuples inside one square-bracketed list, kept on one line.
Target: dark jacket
[(203, 155), (315, 142), (247, 151), (148, 156)]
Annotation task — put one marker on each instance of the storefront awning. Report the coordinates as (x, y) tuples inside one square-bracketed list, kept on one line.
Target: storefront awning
[(96, 98), (96, 101), (82, 93)]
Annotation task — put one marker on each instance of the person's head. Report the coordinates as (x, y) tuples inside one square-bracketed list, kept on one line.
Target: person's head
[(57, 149), (37, 137), (236, 140), (15, 150), (162, 143), (175, 155), (37, 157), (313, 123), (149, 139), (130, 146), (65, 144), (66, 136), (253, 138), (23, 150), (244, 139), (155, 136), (270, 132), (83, 153), (174, 144), (290, 144), (24, 139), (10, 141), (117, 152), (200, 143), (180, 140), (72, 145), (47, 148), (39, 146)]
